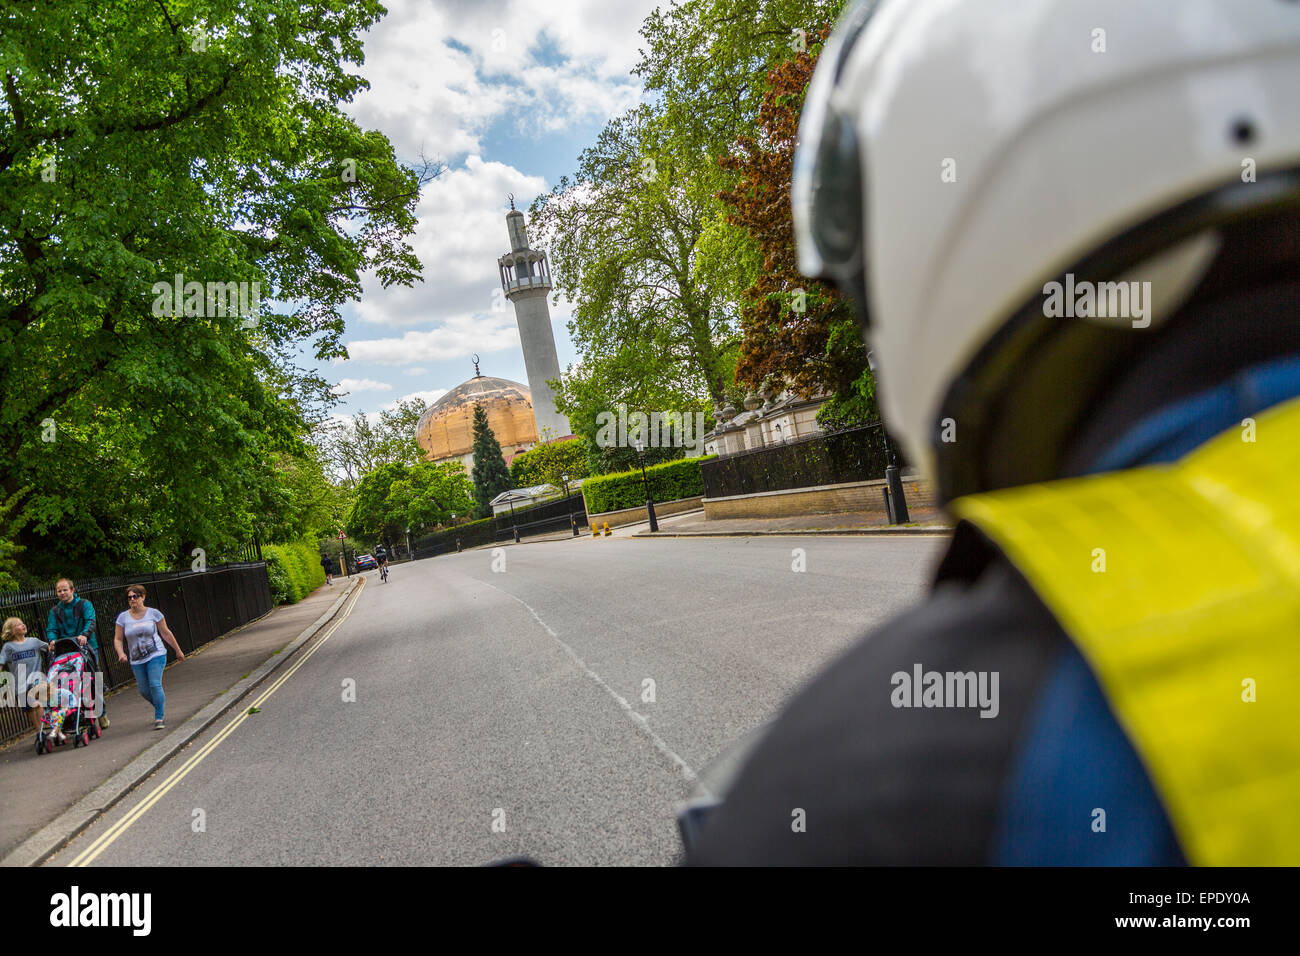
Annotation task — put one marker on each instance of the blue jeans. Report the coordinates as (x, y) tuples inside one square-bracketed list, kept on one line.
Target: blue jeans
[(148, 677)]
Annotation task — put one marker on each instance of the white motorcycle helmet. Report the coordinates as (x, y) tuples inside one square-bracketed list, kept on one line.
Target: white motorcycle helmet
[(989, 179)]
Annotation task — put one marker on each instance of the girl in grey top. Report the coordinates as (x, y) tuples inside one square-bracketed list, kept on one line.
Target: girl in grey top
[(23, 656)]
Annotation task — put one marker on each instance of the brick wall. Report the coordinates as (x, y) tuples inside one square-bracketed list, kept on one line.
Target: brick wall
[(632, 515)]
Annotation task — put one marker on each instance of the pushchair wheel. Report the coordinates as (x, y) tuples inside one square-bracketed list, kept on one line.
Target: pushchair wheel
[(94, 729)]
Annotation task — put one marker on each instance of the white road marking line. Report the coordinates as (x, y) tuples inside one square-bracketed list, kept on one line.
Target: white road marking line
[(640, 721)]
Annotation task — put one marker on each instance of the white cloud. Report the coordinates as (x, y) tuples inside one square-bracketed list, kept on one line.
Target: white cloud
[(428, 396), (460, 236), (446, 78), (458, 337), (442, 74), (360, 385)]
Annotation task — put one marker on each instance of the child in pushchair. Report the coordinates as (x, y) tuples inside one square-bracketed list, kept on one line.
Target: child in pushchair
[(69, 706)]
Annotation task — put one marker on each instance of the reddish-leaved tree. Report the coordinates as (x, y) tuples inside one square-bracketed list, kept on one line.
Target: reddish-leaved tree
[(797, 330)]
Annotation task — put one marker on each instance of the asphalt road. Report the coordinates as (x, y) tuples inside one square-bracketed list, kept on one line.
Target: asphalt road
[(508, 712)]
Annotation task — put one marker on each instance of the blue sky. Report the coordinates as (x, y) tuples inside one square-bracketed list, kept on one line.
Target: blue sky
[(506, 94)]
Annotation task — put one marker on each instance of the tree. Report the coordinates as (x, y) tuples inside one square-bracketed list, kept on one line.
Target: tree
[(9, 548), (797, 331), (546, 464), (356, 446), (707, 59), (430, 494), (641, 241), (371, 516), (397, 432), (138, 143), (625, 236), (307, 502), (491, 476)]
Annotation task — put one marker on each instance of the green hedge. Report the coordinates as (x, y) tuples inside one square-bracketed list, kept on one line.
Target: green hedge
[(294, 570), (667, 482)]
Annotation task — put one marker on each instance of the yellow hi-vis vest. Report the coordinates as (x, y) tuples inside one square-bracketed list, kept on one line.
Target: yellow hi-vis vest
[(1180, 585)]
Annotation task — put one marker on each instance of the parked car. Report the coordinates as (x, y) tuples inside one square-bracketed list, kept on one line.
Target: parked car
[(366, 563)]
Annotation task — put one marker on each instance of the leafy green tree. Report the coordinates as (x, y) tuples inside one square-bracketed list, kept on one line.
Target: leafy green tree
[(355, 446), (371, 516), (585, 392), (139, 142), (397, 432), (624, 234), (429, 495), (491, 476), (351, 446), (641, 241), (10, 549), (707, 61), (546, 464), (306, 503)]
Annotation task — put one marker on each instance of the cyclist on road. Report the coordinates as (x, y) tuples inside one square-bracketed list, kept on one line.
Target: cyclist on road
[(381, 557), (1071, 236)]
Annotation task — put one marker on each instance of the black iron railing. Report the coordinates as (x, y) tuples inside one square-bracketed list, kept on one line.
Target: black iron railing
[(471, 535), (199, 606), (856, 454), (538, 519), (550, 516)]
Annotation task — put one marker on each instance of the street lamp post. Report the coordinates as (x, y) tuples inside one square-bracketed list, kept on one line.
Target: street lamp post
[(645, 484), (897, 501), (573, 521), (409, 555), (453, 528), (513, 527)]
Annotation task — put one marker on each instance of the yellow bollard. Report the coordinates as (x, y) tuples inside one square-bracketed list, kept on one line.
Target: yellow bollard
[(607, 529), (595, 531)]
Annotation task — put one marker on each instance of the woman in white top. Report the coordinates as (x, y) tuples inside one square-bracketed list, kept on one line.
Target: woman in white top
[(144, 630)]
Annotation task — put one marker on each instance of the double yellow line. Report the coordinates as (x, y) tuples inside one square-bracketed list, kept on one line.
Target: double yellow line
[(88, 855)]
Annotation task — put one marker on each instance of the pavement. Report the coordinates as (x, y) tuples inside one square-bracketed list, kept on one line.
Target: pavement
[(47, 799), (556, 701), (693, 524), (690, 524)]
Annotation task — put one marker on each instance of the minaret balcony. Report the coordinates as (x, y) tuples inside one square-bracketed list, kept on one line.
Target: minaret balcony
[(526, 282)]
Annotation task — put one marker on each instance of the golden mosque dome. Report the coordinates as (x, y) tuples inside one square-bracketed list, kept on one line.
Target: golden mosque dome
[(446, 429)]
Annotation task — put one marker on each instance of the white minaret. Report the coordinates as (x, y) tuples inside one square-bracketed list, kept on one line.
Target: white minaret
[(526, 279)]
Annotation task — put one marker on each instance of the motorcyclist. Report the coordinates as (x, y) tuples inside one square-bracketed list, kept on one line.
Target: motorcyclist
[(990, 182)]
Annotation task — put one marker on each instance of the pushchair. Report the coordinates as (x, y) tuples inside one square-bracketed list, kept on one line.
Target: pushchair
[(68, 705)]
